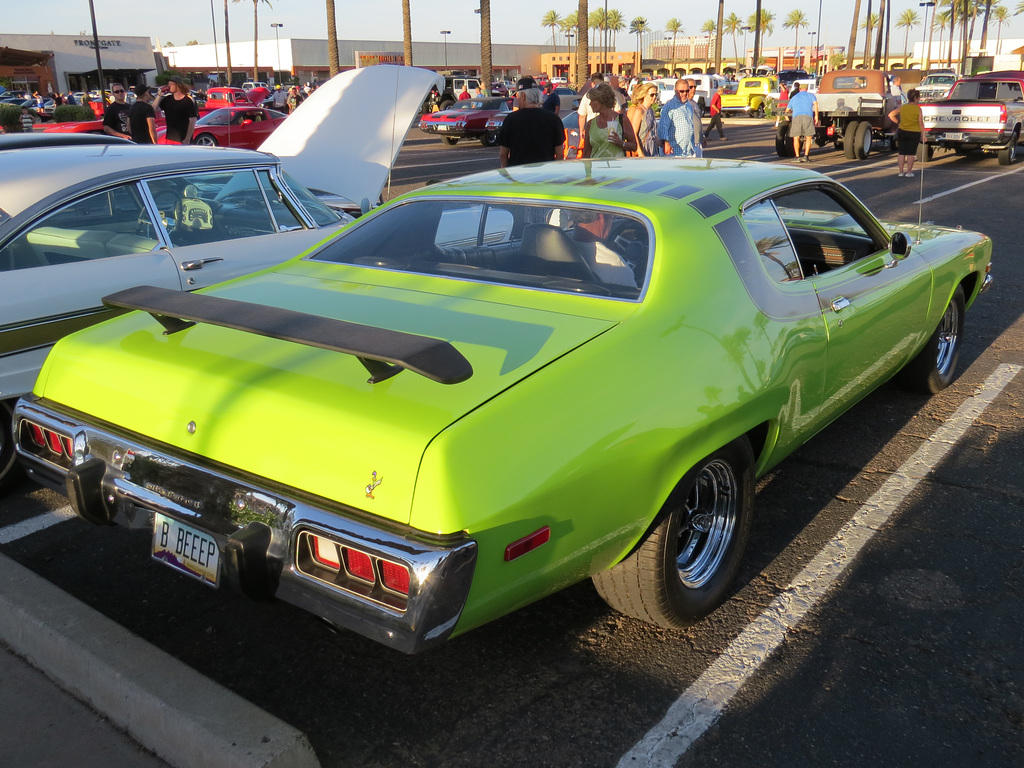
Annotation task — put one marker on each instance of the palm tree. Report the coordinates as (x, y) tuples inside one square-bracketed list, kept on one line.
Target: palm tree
[(851, 48), (984, 24), (255, 35), (733, 24), (615, 23), (795, 20), (707, 29), (675, 27), (595, 22), (941, 20), (332, 40), (406, 33), (718, 37), (227, 44), (907, 21), (551, 19), (767, 22), (567, 26), (582, 48), (1001, 15), (870, 22), (485, 45), (638, 27)]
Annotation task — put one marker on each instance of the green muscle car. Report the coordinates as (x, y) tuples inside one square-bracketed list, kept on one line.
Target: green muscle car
[(495, 387)]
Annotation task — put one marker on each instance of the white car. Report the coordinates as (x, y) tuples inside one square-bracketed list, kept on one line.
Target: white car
[(80, 222)]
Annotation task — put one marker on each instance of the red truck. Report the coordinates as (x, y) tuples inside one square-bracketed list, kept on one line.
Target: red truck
[(983, 112)]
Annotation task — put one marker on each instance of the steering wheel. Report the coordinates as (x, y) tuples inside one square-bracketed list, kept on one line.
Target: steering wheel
[(629, 239)]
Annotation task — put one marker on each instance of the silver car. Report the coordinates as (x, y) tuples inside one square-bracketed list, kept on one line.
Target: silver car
[(80, 222)]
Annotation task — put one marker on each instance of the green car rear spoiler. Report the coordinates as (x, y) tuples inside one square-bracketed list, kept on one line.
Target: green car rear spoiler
[(382, 352)]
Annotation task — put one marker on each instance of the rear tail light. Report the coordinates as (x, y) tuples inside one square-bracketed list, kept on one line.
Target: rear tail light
[(395, 576), (359, 564), (48, 444), (325, 552), (352, 569)]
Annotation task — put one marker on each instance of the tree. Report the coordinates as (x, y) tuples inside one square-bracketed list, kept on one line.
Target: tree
[(191, 42), (984, 24), (708, 28), (638, 27), (568, 26), (851, 49), (718, 37), (582, 49), (907, 21), (406, 33), (615, 23), (596, 23), (551, 19), (941, 20), (675, 27), (485, 45), (733, 24), (255, 35), (767, 22), (1001, 15), (332, 40), (795, 20)]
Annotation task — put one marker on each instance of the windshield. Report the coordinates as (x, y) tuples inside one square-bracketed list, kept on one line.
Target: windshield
[(551, 246)]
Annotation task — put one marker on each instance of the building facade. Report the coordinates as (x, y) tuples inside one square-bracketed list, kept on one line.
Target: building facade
[(127, 60)]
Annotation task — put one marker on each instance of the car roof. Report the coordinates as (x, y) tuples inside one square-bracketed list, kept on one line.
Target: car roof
[(39, 139), (34, 174)]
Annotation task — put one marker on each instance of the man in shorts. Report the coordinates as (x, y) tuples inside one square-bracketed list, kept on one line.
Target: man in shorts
[(804, 110)]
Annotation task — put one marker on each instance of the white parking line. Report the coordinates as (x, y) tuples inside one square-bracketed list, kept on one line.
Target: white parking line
[(703, 702), (25, 528), (965, 186)]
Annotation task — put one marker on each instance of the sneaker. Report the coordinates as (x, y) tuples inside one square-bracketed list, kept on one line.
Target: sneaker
[(901, 174), (908, 175), (807, 158)]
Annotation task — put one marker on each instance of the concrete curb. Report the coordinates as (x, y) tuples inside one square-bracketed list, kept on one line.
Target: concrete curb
[(186, 719)]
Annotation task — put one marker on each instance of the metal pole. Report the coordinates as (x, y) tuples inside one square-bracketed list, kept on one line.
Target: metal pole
[(817, 38), (213, 24), (444, 36), (277, 36), (928, 34), (99, 66)]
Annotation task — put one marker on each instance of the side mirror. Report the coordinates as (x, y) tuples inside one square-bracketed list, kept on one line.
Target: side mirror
[(900, 244)]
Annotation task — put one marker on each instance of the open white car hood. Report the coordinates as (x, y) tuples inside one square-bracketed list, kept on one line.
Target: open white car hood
[(345, 137)]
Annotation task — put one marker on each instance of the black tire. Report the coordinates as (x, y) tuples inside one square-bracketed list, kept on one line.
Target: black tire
[(925, 153), (1008, 154), (783, 144), (10, 470), (932, 370), (444, 105), (451, 141), (849, 139), (679, 573), (205, 140), (862, 141), (759, 110), (489, 139)]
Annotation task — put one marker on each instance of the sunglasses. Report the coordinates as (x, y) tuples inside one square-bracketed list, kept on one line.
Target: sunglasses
[(118, 91)]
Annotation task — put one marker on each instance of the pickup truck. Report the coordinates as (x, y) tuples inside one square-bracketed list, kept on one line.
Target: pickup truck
[(750, 96), (983, 112)]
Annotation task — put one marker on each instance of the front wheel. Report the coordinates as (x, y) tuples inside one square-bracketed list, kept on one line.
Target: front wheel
[(849, 140), (685, 567), (205, 140), (1008, 153), (862, 141), (451, 140), (933, 368), (489, 139), (783, 143)]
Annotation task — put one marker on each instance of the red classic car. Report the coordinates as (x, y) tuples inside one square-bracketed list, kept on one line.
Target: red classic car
[(221, 96), (466, 119), (244, 127)]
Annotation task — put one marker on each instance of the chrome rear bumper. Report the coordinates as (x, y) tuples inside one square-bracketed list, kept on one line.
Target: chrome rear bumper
[(112, 478)]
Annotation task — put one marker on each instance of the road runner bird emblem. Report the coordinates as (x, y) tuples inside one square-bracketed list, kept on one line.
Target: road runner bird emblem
[(374, 482)]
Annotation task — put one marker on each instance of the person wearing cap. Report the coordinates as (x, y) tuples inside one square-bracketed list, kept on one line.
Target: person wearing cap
[(180, 112), (530, 134), (115, 116), (142, 117)]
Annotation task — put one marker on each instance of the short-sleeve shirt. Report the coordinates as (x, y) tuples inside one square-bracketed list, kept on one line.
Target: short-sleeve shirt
[(910, 117), (138, 117), (115, 117), (177, 113), (532, 135), (802, 104)]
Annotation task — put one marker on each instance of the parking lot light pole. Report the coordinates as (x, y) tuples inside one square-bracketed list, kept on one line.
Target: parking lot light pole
[(276, 26), (445, 33), (928, 34)]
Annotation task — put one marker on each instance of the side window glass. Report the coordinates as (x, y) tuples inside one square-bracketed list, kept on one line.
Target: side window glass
[(772, 242), (110, 223), (283, 215), (211, 207), (320, 213)]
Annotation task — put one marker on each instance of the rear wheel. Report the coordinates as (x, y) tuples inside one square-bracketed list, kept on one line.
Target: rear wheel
[(685, 567), (444, 105), (862, 141), (849, 135), (1008, 154), (783, 144), (10, 472), (450, 140), (489, 139), (205, 140), (933, 368), (757, 110), (925, 152)]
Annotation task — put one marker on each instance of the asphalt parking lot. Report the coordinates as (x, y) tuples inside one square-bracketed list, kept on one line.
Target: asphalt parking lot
[(877, 618)]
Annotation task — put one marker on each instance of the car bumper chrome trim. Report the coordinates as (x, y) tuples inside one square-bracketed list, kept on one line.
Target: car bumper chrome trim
[(122, 480)]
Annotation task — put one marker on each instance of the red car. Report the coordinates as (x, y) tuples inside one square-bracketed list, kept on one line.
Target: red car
[(222, 96), (243, 127), (466, 119)]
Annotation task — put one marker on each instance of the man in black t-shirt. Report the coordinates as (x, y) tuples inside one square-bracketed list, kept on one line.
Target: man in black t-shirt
[(530, 134), (115, 116), (142, 117), (180, 112)]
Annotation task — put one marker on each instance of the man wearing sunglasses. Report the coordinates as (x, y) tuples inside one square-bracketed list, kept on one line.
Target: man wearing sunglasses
[(115, 116), (676, 125)]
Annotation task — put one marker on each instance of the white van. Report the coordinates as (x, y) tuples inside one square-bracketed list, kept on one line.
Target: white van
[(706, 87)]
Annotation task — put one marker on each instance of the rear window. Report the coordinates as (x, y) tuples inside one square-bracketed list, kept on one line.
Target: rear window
[(549, 246), (850, 83), (987, 90)]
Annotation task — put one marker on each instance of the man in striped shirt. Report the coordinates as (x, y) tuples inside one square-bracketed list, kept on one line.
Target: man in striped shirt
[(676, 125)]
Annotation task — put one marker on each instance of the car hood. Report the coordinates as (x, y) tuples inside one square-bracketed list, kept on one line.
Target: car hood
[(345, 137), (302, 416)]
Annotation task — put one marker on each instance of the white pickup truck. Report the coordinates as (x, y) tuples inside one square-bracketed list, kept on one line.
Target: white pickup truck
[(983, 112)]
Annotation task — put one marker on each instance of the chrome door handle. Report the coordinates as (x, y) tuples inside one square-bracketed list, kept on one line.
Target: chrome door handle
[(198, 263), (838, 305)]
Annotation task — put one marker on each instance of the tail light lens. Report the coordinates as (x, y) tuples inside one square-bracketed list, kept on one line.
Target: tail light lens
[(351, 569), (395, 576), (359, 564), (47, 444)]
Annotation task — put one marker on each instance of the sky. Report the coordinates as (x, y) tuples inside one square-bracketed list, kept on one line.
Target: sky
[(518, 22)]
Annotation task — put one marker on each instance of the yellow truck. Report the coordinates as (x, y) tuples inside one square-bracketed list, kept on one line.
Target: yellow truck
[(750, 95)]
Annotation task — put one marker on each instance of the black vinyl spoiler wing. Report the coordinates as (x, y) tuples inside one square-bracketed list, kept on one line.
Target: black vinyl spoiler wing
[(383, 352)]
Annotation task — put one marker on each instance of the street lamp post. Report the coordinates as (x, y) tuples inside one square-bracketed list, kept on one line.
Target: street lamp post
[(928, 47), (445, 32), (276, 26), (745, 30), (814, 48)]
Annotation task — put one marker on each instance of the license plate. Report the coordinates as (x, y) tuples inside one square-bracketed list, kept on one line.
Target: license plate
[(442, 127), (186, 549), (953, 136)]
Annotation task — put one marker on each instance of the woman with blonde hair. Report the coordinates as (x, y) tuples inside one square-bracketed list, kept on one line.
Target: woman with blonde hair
[(641, 116), (607, 135)]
